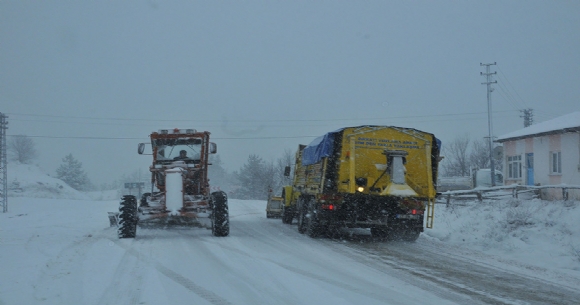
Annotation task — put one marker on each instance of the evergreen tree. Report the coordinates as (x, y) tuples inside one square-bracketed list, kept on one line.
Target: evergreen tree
[(254, 178), (71, 171), (218, 176)]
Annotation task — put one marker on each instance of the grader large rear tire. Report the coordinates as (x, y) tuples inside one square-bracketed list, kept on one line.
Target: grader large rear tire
[(220, 219), (127, 217)]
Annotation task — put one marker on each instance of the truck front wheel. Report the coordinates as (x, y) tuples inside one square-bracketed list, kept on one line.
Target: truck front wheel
[(287, 212), (220, 218), (287, 215)]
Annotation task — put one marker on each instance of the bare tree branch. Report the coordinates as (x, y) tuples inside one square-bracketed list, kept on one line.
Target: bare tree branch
[(22, 148), (456, 161)]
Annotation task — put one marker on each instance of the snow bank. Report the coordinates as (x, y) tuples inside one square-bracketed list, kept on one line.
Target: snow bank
[(26, 180), (533, 232)]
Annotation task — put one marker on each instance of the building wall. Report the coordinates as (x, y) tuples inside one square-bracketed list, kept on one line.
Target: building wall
[(512, 148), (542, 160), (555, 146), (542, 147)]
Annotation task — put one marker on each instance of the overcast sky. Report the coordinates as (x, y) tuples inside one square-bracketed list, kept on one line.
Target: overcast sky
[(94, 78)]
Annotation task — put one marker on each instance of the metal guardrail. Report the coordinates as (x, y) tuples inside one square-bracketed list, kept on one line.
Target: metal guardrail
[(515, 189)]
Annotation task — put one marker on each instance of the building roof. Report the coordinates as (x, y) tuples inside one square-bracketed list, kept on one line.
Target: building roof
[(562, 124)]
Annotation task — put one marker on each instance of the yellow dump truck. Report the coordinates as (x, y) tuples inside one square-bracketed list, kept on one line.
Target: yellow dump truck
[(377, 177)]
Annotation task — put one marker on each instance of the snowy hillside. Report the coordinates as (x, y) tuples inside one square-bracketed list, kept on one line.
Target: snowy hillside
[(26, 180)]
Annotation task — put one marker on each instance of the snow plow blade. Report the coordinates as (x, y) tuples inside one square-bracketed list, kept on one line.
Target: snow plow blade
[(164, 220)]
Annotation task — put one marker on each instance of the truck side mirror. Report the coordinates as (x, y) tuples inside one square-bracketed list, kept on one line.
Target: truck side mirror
[(141, 148), (287, 171), (212, 148)]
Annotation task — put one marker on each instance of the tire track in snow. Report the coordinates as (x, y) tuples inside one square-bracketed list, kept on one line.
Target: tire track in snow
[(465, 279), (125, 283), (65, 267), (485, 283), (419, 277), (245, 278), (277, 244), (350, 250), (206, 294)]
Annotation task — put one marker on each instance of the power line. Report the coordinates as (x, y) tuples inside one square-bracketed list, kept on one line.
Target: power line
[(440, 119), (510, 84), (507, 96), (238, 120)]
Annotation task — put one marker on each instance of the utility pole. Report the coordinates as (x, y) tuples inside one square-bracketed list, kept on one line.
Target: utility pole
[(3, 164), (528, 116), (489, 121)]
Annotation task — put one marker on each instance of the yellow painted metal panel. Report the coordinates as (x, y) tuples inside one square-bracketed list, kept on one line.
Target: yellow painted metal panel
[(367, 144)]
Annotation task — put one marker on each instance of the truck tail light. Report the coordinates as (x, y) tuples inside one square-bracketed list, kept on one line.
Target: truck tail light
[(328, 207)]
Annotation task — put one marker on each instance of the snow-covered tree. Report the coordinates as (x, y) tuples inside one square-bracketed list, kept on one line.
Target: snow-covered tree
[(71, 171), (22, 149), (254, 178), (217, 174)]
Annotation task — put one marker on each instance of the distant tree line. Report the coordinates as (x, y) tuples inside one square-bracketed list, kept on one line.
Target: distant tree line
[(462, 154), (257, 176)]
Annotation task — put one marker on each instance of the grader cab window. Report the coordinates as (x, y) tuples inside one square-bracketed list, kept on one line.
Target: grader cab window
[(169, 150)]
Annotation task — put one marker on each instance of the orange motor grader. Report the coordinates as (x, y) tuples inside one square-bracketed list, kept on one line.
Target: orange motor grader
[(180, 192)]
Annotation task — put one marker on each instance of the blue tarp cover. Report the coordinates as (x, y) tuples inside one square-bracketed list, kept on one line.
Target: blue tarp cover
[(319, 148)]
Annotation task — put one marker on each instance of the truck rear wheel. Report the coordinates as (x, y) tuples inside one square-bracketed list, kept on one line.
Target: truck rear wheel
[(312, 225), (379, 232), (220, 219), (410, 235), (127, 217), (301, 217)]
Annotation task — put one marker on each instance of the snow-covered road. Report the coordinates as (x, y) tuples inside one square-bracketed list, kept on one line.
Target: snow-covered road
[(62, 252)]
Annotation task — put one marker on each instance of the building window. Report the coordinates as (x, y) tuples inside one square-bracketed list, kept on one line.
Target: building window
[(556, 163), (514, 167)]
